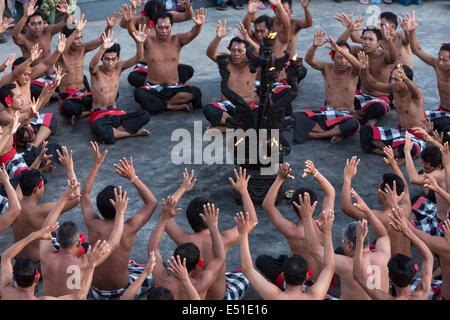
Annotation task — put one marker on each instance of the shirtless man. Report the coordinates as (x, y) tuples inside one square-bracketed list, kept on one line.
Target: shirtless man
[(294, 233), (389, 21), (34, 214), (373, 103), (409, 105), (9, 205), (112, 278), (75, 93), (148, 16), (294, 268), (241, 80), (386, 196), (38, 31), (335, 119), (26, 276), (201, 277), (60, 267), (108, 123), (441, 65), (163, 90), (297, 24), (228, 285)]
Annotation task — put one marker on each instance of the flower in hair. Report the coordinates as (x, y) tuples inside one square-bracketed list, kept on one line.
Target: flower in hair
[(9, 99)]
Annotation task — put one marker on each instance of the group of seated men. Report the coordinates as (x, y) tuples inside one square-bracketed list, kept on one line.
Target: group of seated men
[(362, 83)]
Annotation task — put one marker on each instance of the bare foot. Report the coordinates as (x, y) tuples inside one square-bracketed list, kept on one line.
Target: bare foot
[(372, 122), (143, 132), (336, 139), (179, 107), (73, 120)]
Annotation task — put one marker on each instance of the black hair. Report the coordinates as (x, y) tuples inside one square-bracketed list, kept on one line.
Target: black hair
[(445, 47), (266, 19), (407, 70), (67, 31), (5, 91), (153, 7), (239, 40), (374, 30), (29, 179), (18, 62), (295, 269), (193, 210), (68, 235), (24, 272), (105, 206), (432, 155), (163, 15), (289, 2), (401, 270), (390, 16), (115, 48), (300, 191), (343, 43), (160, 293), (37, 13), (189, 251), (388, 179), (350, 235)]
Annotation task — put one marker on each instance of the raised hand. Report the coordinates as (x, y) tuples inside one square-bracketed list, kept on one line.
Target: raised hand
[(391, 195), (150, 264), (107, 39), (210, 215), (58, 77), (168, 207), (65, 158), (445, 155), (362, 229), (31, 8), (81, 24), (128, 13), (35, 52), (428, 125), (325, 223), (178, 269), (46, 232), (357, 25), (411, 22), (98, 252), (398, 220), (334, 45), (243, 33), (188, 180), (446, 227), (242, 179), (126, 169), (431, 182), (363, 60), (61, 43), (63, 7), (304, 3), (285, 172), (360, 204), (319, 38), (344, 20), (120, 201), (243, 223), (72, 191), (200, 17), (304, 206), (137, 3), (253, 6), (4, 176), (221, 29), (439, 137), (310, 169), (98, 158), (141, 33), (112, 21), (5, 24), (408, 143), (33, 106)]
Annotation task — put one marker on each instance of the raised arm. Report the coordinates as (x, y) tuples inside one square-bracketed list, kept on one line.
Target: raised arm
[(431, 183), (107, 43), (358, 266), (413, 176), (110, 23), (127, 171), (324, 184), (412, 25), (188, 13), (5, 24), (133, 288), (285, 21), (7, 62), (221, 32), (283, 225), (66, 161), (49, 61), (139, 37), (319, 40), (179, 270), (390, 52), (400, 224), (6, 269), (347, 55), (346, 194), (199, 20), (87, 208), (266, 289), (14, 207), (62, 7), (367, 77), (17, 36), (416, 93), (390, 161), (308, 20), (352, 28), (20, 69), (250, 16)]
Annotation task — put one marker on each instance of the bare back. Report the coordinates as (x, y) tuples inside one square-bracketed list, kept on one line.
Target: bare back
[(399, 242)]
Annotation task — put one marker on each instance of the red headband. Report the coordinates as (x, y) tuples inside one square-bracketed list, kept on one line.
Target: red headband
[(9, 99)]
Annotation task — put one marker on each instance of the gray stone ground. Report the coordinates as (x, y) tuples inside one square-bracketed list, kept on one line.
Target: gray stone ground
[(152, 155)]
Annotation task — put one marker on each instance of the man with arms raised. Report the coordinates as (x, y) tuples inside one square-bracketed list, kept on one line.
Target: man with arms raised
[(335, 119), (111, 280), (163, 91), (108, 123)]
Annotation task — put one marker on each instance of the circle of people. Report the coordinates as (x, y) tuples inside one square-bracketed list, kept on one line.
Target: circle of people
[(363, 82)]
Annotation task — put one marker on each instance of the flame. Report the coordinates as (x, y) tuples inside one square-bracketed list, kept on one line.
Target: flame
[(239, 141), (272, 35), (271, 69), (295, 57)]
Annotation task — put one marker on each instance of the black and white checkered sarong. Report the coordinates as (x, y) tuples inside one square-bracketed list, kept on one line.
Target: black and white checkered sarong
[(237, 285), (426, 212), (435, 292)]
